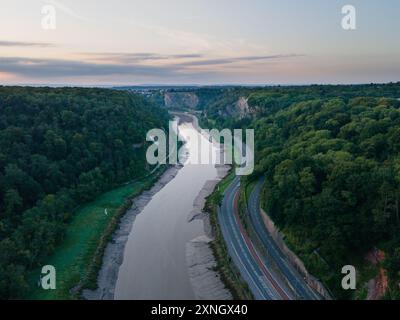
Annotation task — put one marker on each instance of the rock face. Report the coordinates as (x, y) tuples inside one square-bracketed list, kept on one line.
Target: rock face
[(205, 281), (243, 107), (177, 100), (239, 109), (377, 286)]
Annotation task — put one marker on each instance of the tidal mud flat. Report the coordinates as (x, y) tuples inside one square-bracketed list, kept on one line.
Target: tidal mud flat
[(206, 282)]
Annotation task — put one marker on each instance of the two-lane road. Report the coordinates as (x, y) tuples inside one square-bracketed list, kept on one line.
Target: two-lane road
[(296, 281), (261, 281)]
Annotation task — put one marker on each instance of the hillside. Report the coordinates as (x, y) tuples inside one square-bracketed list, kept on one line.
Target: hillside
[(60, 148), (330, 155)]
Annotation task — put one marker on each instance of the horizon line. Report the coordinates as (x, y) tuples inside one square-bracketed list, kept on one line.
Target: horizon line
[(155, 85)]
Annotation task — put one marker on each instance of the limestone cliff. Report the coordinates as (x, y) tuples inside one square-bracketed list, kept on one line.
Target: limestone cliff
[(179, 100)]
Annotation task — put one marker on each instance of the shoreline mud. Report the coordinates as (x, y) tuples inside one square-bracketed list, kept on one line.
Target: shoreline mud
[(205, 280)]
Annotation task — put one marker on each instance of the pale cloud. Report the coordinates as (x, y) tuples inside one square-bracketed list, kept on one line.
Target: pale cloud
[(133, 64), (232, 60), (189, 41), (48, 68), (126, 57), (24, 44)]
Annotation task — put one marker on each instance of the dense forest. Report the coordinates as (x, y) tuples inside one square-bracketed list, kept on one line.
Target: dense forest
[(60, 148), (331, 158)]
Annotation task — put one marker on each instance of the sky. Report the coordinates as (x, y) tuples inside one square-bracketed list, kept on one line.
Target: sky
[(204, 42)]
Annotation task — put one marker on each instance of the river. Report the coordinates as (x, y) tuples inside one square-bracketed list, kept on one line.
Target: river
[(154, 262)]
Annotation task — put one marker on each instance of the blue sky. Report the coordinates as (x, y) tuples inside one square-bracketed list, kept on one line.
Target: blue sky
[(198, 42)]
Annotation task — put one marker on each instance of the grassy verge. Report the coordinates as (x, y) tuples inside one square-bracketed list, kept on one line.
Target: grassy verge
[(244, 196), (78, 258), (225, 266)]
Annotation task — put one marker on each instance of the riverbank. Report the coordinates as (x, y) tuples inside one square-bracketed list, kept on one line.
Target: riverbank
[(198, 258), (214, 244), (77, 257), (224, 264), (114, 251), (207, 281), (205, 278)]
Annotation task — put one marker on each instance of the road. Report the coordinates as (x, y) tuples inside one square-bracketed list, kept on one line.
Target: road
[(271, 277), (296, 281), (262, 283)]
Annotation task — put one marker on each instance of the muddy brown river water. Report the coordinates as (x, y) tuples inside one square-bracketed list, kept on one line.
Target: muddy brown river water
[(154, 264)]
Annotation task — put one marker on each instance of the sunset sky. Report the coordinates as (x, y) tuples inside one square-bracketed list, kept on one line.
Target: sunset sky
[(130, 42)]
